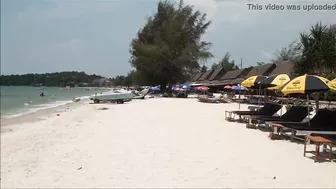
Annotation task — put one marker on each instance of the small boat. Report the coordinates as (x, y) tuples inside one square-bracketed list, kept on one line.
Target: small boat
[(118, 96)]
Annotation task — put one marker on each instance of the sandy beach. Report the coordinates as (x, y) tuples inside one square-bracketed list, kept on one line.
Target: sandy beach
[(153, 143)]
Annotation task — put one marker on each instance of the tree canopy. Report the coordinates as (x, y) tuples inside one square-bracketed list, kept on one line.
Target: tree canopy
[(49, 79), (168, 48), (225, 63), (317, 50), (290, 53)]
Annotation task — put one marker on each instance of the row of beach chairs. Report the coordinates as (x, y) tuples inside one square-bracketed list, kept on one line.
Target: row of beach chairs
[(320, 129)]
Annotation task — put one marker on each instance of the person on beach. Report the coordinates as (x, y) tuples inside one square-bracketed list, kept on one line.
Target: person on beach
[(42, 94)]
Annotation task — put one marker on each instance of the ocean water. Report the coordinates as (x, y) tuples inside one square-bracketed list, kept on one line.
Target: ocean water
[(16, 101)]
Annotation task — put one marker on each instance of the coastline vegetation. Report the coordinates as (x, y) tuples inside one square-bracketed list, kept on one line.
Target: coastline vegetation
[(57, 79)]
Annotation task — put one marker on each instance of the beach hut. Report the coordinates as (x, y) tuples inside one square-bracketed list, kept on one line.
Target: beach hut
[(196, 76), (265, 70), (285, 67), (232, 77), (215, 76), (205, 76)]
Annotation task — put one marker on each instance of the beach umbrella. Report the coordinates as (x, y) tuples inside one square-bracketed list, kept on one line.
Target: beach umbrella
[(253, 80), (155, 89), (186, 86), (275, 82), (332, 84), (238, 88), (227, 87), (201, 88), (305, 84)]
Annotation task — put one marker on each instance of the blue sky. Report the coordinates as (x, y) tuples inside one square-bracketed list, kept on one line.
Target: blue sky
[(94, 35)]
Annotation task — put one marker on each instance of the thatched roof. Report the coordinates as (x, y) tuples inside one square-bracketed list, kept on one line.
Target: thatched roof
[(206, 75), (233, 74), (196, 76), (237, 81), (217, 74), (229, 81), (283, 68), (265, 69), (192, 76)]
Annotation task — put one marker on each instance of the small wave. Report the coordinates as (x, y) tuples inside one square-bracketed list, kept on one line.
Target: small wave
[(37, 107)]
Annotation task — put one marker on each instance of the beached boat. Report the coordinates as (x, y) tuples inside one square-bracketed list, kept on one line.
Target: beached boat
[(118, 96)]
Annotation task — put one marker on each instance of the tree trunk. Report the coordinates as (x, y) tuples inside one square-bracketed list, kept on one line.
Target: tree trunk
[(169, 89), (163, 86)]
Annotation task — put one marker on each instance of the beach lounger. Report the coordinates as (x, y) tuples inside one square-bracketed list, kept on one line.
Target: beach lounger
[(294, 114), (268, 109), (322, 123)]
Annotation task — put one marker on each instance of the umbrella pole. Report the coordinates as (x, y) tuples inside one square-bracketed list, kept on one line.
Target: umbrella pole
[(239, 97), (281, 106), (308, 109), (259, 94)]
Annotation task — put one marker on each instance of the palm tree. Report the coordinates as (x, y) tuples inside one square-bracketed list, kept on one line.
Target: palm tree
[(318, 50)]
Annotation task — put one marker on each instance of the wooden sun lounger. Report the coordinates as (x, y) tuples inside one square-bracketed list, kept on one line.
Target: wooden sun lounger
[(230, 115), (267, 110), (294, 114), (254, 108), (279, 131)]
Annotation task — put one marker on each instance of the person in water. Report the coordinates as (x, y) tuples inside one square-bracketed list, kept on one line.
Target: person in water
[(42, 94)]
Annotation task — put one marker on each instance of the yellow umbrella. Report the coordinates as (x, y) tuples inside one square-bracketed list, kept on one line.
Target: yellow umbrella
[(305, 84), (253, 80), (275, 82), (332, 84)]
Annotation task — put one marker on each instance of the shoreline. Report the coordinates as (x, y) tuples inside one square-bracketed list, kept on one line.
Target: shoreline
[(38, 115), (50, 102)]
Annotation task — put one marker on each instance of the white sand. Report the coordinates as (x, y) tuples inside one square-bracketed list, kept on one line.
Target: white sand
[(153, 143)]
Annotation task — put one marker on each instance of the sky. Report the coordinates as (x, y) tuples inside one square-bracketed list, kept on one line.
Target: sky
[(39, 36)]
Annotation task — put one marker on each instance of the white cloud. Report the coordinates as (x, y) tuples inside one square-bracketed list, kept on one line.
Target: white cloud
[(266, 54)]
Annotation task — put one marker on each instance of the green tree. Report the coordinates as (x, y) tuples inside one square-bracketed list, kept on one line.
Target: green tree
[(169, 47), (204, 68), (290, 53), (225, 63), (50, 79), (318, 50), (318, 53)]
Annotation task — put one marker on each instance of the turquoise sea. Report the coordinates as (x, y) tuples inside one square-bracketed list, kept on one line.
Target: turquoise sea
[(17, 100)]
